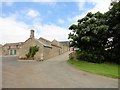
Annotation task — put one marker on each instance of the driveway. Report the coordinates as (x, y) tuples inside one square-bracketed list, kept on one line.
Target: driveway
[(51, 73)]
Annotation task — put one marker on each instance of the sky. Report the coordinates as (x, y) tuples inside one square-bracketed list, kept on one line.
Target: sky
[(49, 19)]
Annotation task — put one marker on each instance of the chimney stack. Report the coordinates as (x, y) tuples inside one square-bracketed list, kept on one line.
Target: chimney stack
[(32, 34)]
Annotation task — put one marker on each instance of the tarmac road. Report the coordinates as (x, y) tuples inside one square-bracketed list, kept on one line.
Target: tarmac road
[(51, 73)]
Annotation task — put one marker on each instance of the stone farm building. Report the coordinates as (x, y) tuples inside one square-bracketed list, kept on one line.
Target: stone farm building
[(11, 48), (47, 49)]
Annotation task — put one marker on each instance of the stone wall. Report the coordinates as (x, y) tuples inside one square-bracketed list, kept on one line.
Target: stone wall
[(64, 48), (51, 52), (47, 53), (39, 54), (25, 48)]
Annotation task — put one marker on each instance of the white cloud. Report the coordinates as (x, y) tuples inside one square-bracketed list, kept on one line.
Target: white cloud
[(100, 5), (52, 31), (33, 13), (12, 30)]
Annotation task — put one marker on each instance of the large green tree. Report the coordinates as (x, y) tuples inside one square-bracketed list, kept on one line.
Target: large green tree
[(90, 34)]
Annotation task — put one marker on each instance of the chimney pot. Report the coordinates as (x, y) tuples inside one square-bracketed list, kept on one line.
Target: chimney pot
[(32, 34)]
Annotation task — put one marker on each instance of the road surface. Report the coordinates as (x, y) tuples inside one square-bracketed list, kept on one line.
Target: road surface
[(51, 73)]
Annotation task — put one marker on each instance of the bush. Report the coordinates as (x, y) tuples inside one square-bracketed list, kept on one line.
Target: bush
[(32, 52), (112, 56), (90, 57)]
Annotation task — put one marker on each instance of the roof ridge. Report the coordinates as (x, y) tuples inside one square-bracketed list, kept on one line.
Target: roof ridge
[(44, 39)]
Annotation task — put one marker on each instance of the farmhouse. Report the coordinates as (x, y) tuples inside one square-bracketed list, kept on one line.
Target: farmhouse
[(11, 48), (47, 49)]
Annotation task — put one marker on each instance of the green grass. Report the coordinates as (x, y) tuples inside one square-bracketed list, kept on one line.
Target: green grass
[(105, 69)]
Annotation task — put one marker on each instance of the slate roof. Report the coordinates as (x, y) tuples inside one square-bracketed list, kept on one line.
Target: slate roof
[(48, 42), (43, 43)]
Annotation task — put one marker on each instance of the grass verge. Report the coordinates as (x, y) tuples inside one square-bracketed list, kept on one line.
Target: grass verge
[(105, 69)]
